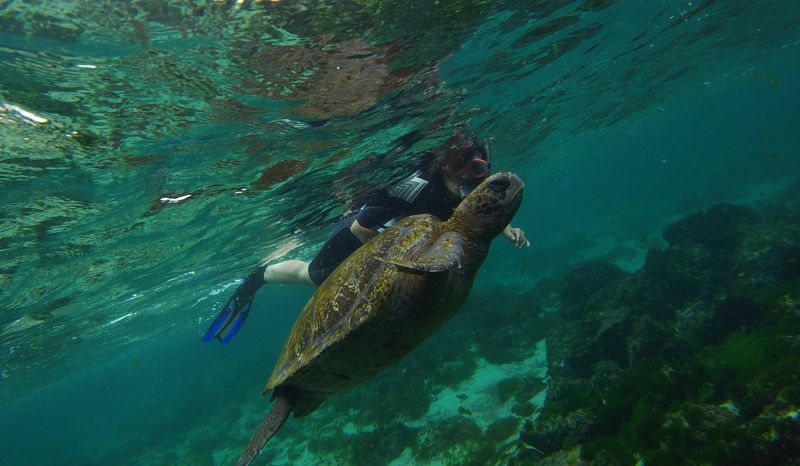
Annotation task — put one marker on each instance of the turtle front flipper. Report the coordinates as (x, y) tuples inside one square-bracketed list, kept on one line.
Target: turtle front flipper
[(445, 254)]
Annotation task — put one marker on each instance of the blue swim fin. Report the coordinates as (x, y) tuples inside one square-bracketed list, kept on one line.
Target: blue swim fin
[(230, 319), (232, 316), (221, 319), (232, 328)]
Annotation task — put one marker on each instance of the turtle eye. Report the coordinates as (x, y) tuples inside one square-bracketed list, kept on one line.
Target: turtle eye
[(499, 185)]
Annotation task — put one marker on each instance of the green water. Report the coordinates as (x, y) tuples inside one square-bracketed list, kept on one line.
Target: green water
[(152, 152)]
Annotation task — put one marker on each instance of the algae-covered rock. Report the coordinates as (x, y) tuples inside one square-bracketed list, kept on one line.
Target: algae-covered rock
[(769, 255), (776, 431), (679, 275), (507, 388), (455, 440), (502, 429), (586, 279), (555, 432), (731, 313), (701, 427), (719, 228), (574, 348), (524, 410), (690, 360), (380, 446)]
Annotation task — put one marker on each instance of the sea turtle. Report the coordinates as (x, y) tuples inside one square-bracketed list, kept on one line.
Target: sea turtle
[(383, 301)]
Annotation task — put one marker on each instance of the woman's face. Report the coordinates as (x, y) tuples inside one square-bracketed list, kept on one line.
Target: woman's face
[(466, 164)]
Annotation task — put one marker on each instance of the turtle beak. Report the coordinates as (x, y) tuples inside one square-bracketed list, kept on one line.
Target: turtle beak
[(515, 185), (506, 183)]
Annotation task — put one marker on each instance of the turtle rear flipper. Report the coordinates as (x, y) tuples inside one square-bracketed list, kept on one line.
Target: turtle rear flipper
[(281, 408), (445, 254)]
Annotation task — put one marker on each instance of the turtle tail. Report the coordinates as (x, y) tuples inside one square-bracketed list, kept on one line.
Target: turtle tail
[(281, 408)]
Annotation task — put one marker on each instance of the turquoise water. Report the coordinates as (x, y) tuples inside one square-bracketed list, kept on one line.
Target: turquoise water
[(152, 152)]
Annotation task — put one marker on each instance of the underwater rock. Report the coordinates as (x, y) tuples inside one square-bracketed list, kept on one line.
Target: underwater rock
[(585, 280), (524, 410), (464, 437), (508, 345), (776, 431), (379, 446), (383, 392), (769, 254), (530, 386), (522, 390), (450, 370), (571, 457), (680, 275), (502, 429), (719, 228), (507, 388), (732, 313), (605, 374), (648, 338), (699, 426), (689, 360), (575, 346), (553, 433)]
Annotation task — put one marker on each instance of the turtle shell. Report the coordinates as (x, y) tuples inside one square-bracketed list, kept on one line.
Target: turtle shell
[(370, 312)]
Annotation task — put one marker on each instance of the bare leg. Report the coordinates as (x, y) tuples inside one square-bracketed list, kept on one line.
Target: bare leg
[(291, 272), (232, 316)]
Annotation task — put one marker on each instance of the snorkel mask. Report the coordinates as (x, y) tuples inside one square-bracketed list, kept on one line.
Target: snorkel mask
[(468, 167), (468, 162)]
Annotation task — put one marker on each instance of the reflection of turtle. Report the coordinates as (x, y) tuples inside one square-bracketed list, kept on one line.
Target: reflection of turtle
[(383, 301)]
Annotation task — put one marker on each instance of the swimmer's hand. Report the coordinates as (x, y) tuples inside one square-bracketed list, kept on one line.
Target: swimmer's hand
[(517, 237)]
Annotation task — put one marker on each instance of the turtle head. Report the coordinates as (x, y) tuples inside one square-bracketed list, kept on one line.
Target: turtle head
[(491, 205)]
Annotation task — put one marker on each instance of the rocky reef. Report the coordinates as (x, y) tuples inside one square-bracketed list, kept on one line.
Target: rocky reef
[(692, 359)]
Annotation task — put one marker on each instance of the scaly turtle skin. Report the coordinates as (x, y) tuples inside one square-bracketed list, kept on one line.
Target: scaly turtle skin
[(383, 301)]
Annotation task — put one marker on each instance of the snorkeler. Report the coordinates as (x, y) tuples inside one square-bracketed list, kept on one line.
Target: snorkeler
[(437, 191)]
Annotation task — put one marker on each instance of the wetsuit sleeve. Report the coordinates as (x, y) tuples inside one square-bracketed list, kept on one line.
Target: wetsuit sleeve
[(374, 217)]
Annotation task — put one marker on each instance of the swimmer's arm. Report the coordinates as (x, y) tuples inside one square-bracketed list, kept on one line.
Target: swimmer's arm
[(363, 234)]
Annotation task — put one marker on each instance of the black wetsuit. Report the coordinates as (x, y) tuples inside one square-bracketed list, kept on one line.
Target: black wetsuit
[(416, 194)]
